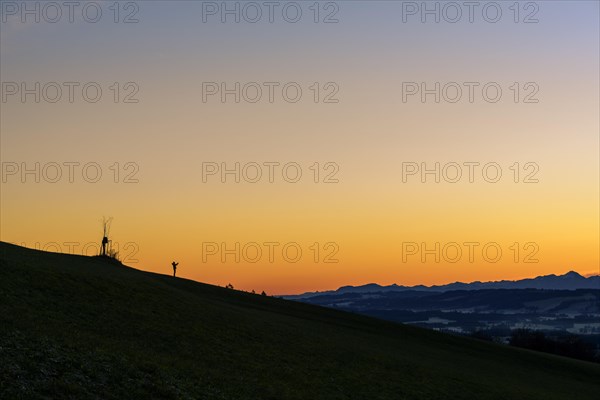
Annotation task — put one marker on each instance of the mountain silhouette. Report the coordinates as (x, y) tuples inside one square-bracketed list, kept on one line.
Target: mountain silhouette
[(569, 281)]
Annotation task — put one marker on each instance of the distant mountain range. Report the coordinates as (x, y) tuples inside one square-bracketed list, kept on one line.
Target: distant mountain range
[(567, 303), (569, 281)]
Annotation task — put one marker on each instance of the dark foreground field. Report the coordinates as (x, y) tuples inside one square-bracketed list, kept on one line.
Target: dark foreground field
[(81, 328)]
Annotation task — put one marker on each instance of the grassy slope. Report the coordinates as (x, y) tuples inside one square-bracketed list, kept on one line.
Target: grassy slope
[(79, 327)]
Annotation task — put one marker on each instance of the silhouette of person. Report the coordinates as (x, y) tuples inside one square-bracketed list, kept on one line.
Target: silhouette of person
[(174, 264)]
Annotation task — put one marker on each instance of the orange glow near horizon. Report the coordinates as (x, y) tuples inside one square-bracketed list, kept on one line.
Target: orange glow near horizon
[(152, 154)]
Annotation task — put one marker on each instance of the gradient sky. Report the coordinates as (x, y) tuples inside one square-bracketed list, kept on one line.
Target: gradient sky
[(369, 134)]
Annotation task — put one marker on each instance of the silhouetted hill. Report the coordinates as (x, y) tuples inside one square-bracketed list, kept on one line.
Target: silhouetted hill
[(75, 327)]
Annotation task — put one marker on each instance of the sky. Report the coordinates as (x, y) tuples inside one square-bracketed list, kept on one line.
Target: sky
[(307, 145)]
